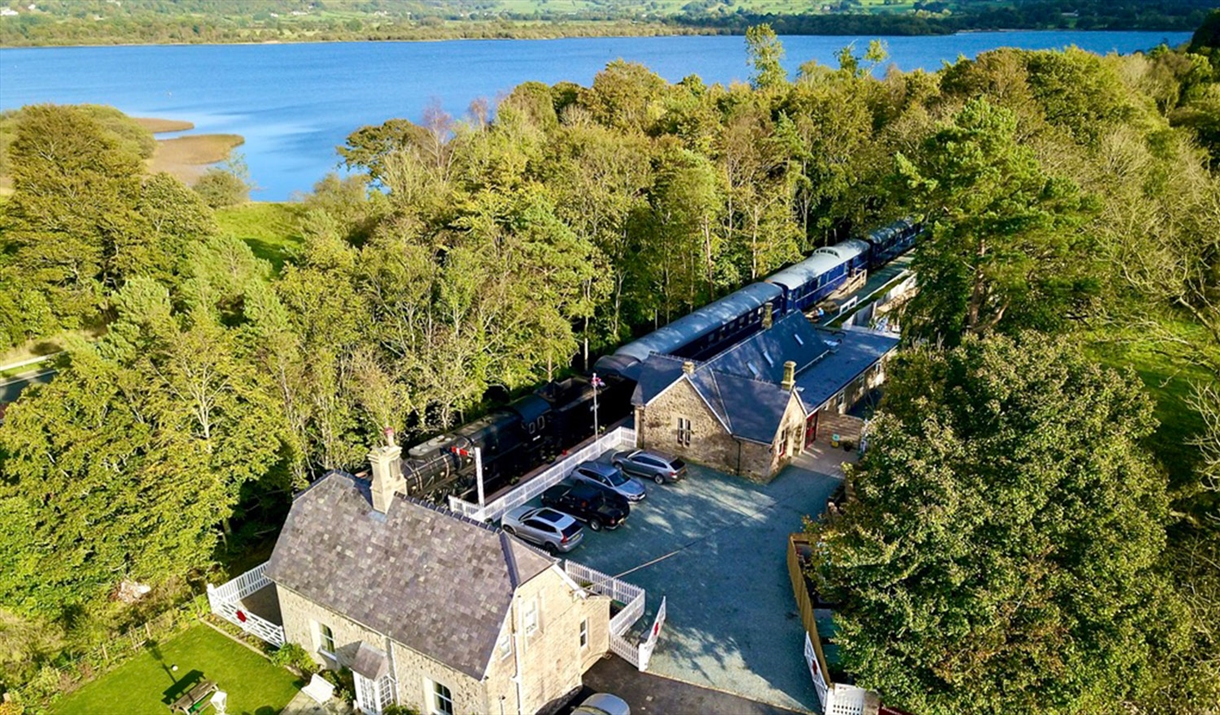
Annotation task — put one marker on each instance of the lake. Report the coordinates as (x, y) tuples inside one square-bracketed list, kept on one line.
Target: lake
[(295, 103)]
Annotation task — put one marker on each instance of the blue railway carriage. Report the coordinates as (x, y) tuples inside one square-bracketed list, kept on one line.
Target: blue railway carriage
[(702, 333), (889, 242), (806, 283)]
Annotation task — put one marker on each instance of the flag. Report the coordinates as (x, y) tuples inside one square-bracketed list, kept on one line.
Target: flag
[(597, 382)]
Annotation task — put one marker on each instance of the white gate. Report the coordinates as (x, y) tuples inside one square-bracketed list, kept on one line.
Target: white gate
[(820, 682), (225, 601), (634, 599)]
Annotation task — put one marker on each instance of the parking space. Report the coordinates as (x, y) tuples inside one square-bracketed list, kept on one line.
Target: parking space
[(714, 545)]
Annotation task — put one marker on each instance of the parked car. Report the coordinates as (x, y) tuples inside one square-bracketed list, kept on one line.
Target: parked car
[(552, 530), (596, 507), (611, 478), (647, 464), (603, 704)]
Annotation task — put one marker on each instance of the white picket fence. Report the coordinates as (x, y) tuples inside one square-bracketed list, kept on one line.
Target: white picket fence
[(225, 601), (633, 597), (620, 438)]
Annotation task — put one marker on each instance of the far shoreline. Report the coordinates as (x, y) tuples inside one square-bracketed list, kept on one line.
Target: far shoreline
[(626, 36)]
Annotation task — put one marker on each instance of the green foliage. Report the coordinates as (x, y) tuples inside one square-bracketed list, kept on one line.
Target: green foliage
[(292, 655), (999, 555), (764, 51), (1002, 252), (224, 185)]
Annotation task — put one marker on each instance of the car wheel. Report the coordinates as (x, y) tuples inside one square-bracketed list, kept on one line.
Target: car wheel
[(595, 524), (550, 548), (658, 479)]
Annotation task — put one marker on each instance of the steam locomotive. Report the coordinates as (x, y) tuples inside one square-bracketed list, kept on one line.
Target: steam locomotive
[(536, 428)]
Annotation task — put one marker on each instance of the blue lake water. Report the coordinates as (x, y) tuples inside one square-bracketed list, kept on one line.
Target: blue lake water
[(295, 103)]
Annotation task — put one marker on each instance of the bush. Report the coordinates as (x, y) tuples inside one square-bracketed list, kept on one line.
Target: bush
[(344, 682), (219, 188), (294, 657), (399, 710)]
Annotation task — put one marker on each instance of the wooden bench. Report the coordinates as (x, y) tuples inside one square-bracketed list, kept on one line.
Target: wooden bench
[(195, 699)]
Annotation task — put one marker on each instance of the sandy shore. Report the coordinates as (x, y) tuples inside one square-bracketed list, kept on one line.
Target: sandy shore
[(188, 157), (161, 126)]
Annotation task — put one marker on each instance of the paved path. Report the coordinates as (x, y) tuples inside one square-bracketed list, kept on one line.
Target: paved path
[(648, 693), (715, 547)]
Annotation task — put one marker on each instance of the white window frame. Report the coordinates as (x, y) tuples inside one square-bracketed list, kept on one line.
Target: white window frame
[(435, 698), (685, 432), (584, 634), (505, 644), (325, 633), (530, 620)]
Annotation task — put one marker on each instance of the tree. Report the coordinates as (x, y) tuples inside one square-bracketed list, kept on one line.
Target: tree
[(1001, 251), (764, 52), (999, 553)]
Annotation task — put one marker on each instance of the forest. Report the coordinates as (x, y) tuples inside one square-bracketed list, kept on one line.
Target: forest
[(1070, 275), (104, 22)]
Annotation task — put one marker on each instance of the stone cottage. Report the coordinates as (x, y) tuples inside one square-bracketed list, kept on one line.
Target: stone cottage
[(427, 608), (752, 408)]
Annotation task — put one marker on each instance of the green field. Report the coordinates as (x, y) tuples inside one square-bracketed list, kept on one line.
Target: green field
[(148, 683), (270, 229), (1169, 380)]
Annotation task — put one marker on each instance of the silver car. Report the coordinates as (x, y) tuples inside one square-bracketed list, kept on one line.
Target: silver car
[(603, 704), (552, 530), (647, 464), (609, 477)]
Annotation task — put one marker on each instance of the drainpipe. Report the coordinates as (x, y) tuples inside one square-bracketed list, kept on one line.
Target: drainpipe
[(518, 641), (738, 457)]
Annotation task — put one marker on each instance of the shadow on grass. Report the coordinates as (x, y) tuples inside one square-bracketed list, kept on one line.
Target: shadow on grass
[(171, 694)]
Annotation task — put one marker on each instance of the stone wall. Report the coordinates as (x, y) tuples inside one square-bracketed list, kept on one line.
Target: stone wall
[(551, 659), (710, 443)]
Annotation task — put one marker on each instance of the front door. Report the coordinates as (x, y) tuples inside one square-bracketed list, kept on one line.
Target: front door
[(372, 696), (811, 429)]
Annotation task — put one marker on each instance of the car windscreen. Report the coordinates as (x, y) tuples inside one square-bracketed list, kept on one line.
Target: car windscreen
[(678, 464), (616, 478), (571, 530)]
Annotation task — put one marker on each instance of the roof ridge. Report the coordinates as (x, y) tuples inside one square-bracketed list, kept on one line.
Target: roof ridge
[(446, 511)]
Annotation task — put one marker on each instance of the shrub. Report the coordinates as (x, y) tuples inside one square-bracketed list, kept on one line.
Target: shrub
[(294, 657), (399, 710), (344, 682), (219, 188)]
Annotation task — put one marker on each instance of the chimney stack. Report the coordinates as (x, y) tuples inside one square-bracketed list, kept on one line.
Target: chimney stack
[(766, 318), (789, 376), (386, 462), (688, 367)]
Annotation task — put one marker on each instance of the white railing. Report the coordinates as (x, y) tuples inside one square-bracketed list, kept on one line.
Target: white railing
[(225, 601), (620, 438), (633, 597)]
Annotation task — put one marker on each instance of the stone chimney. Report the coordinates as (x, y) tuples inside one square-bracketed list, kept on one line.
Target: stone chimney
[(386, 461), (766, 322), (688, 367), (789, 376)]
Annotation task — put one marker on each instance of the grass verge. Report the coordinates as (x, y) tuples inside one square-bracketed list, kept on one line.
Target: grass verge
[(148, 684), (269, 229)]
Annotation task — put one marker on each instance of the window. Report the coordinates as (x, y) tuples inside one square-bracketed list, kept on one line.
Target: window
[(505, 644), (530, 617), (326, 639), (684, 431), (584, 633), (442, 700)]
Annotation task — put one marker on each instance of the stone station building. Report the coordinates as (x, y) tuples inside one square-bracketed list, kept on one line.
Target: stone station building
[(752, 408)]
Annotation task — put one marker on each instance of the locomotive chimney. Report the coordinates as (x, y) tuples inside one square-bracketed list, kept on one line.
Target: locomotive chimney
[(766, 318), (789, 376), (386, 461), (688, 367)]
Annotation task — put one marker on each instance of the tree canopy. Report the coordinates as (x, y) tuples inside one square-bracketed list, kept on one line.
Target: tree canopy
[(999, 555)]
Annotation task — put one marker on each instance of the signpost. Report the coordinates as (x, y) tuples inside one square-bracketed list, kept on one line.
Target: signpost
[(596, 382)]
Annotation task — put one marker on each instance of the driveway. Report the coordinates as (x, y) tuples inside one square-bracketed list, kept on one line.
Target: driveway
[(715, 546)]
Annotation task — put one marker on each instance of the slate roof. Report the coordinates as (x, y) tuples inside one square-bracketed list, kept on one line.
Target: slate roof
[(742, 384), (427, 578), (855, 352)]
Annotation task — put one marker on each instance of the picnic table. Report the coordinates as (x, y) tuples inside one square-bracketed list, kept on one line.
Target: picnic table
[(195, 699)]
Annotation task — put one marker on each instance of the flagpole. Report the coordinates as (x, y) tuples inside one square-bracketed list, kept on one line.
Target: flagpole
[(478, 472), (596, 432)]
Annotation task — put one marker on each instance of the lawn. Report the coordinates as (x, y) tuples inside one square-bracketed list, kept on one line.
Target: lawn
[(147, 683), (270, 229)]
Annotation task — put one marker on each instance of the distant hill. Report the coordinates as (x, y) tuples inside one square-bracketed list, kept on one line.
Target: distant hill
[(66, 22)]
